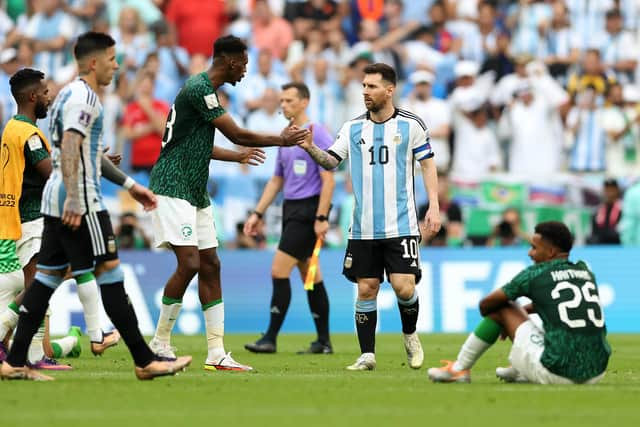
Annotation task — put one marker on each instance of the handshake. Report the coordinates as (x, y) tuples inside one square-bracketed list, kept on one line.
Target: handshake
[(294, 135)]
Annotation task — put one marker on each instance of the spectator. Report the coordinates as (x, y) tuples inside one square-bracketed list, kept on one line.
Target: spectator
[(269, 31), (321, 14), (561, 44), (585, 123), (508, 232), (605, 221), (251, 93), (436, 112), (49, 32), (7, 30), (144, 124), (9, 64), (173, 61), (451, 215), (618, 48), (132, 42), (500, 61), (130, 234), (588, 18), (198, 23), (630, 221), (86, 12), (326, 104), (529, 19), (352, 85), (592, 75), (621, 125)]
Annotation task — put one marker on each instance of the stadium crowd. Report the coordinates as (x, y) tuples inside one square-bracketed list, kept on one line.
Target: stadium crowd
[(531, 104)]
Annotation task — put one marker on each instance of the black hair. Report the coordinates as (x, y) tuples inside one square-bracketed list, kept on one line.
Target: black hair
[(303, 90), (92, 42), (23, 80), (228, 45), (387, 72), (556, 233)]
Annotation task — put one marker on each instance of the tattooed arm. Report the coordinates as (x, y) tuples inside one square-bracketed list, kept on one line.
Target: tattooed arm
[(321, 157), (69, 162)]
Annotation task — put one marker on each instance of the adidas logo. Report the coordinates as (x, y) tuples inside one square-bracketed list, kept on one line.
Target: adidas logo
[(275, 310), (23, 309), (414, 264), (361, 142)]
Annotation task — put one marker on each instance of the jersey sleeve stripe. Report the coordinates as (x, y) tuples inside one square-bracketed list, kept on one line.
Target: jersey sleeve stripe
[(409, 115), (423, 147), (335, 155)]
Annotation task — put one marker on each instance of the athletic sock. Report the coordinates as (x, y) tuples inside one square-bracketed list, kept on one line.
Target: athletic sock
[(63, 346), (34, 307), (214, 324), (10, 285), (9, 319), (409, 310), (118, 307), (88, 294), (280, 300), (483, 337), (319, 306), (366, 319), (169, 311), (36, 351)]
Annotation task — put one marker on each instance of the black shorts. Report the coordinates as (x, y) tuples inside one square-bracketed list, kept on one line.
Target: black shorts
[(94, 242), (298, 236), (372, 258)]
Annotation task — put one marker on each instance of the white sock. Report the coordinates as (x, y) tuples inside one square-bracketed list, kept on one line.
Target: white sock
[(168, 315), (90, 299), (66, 344), (214, 324), (36, 351), (8, 321), (470, 352)]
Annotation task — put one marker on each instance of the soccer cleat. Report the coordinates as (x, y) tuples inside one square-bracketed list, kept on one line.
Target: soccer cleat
[(226, 363), (413, 347), (446, 374), (3, 352), (366, 362), (162, 368), (109, 339), (77, 349), (8, 372), (318, 347), (163, 350), (510, 374), (263, 345), (48, 364)]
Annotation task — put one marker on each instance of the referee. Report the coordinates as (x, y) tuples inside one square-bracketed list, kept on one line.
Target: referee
[(307, 189)]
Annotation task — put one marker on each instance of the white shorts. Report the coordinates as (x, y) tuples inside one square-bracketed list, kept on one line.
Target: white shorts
[(29, 244), (528, 346), (178, 223)]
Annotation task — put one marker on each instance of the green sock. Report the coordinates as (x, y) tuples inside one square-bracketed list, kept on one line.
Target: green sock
[(14, 307), (488, 330), (57, 350), (170, 301)]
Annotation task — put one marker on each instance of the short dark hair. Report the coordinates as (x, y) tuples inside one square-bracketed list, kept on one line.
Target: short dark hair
[(228, 45), (23, 80), (92, 42), (387, 72), (303, 90), (613, 13), (556, 233)]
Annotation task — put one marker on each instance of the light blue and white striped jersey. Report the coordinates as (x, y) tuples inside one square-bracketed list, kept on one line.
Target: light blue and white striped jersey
[(77, 107), (588, 152), (382, 157), (42, 27)]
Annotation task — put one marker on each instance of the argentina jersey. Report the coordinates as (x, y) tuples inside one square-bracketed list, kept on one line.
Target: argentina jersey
[(76, 108), (381, 164)]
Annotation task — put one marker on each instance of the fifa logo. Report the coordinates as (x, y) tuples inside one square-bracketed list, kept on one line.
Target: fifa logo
[(361, 318)]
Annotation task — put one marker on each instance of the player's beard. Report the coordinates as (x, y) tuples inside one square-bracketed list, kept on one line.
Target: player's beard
[(374, 107), (41, 110)]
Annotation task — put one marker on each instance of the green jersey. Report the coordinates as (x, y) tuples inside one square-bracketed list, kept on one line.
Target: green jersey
[(182, 170), (32, 183), (9, 261), (565, 297)]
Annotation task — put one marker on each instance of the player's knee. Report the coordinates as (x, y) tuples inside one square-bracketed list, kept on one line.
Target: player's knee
[(211, 264), (188, 266), (367, 290)]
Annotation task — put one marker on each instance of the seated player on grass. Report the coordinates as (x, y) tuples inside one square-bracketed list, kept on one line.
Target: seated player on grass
[(570, 348)]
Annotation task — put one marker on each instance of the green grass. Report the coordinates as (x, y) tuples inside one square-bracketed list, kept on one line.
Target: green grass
[(289, 389)]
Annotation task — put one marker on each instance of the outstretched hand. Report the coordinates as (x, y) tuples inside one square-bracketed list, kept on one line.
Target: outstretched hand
[(293, 135), (252, 156)]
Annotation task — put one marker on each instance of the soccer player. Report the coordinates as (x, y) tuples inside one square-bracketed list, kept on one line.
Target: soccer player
[(570, 348), (382, 146), (77, 230), (307, 197), (184, 218)]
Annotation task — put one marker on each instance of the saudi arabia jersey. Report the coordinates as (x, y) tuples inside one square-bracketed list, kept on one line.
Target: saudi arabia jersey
[(182, 170), (381, 164), (76, 108), (565, 297)]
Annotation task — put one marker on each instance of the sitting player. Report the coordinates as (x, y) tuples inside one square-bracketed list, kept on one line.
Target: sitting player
[(571, 348)]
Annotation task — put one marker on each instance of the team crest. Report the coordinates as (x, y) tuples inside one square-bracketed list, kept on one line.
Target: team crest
[(348, 261), (186, 231), (111, 245), (211, 100), (397, 139)]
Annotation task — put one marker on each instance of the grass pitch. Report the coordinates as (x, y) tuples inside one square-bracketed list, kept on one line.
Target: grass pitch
[(315, 390)]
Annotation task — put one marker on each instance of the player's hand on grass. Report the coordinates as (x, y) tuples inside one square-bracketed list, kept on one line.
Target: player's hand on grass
[(432, 222), (251, 225), (144, 196), (321, 228), (71, 213), (252, 156), (293, 135)]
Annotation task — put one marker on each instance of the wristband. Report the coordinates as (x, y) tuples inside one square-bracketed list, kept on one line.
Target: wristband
[(128, 183), (322, 218)]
